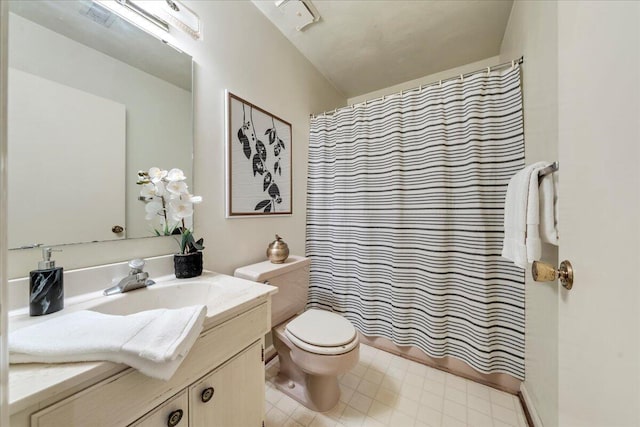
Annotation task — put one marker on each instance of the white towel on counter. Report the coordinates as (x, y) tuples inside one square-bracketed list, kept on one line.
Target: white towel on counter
[(521, 217), (155, 342), (549, 209)]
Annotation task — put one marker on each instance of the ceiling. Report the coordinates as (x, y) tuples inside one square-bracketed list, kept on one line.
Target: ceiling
[(362, 46)]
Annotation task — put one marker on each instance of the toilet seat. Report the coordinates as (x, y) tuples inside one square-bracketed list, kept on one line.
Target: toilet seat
[(322, 332)]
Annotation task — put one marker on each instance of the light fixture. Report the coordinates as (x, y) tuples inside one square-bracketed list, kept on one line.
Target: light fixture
[(175, 13), (138, 16), (298, 13)]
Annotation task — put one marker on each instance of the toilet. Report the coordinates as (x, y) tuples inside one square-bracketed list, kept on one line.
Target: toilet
[(314, 346)]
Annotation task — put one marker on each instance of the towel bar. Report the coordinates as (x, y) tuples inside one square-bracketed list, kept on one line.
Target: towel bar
[(553, 167)]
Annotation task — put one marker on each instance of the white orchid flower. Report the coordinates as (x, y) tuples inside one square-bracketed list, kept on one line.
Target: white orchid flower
[(156, 174), (177, 187), (150, 190), (194, 199), (176, 174), (160, 188), (152, 209), (180, 209)]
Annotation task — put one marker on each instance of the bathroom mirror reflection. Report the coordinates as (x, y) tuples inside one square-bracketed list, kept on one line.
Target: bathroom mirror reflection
[(92, 100)]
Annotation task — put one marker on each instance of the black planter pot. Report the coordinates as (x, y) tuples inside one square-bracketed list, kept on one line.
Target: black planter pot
[(187, 265)]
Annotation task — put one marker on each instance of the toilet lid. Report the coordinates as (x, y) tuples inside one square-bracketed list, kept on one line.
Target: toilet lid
[(322, 328)]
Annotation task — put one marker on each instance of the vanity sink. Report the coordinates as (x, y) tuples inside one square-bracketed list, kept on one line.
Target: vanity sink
[(220, 293), (162, 295), (172, 294)]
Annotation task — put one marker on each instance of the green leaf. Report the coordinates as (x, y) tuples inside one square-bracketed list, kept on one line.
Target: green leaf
[(197, 246), (186, 241)]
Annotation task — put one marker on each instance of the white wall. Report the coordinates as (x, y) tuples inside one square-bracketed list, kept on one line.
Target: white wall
[(243, 52), (532, 32), (599, 141)]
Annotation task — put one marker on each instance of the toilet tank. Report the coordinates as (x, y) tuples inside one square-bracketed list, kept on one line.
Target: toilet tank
[(292, 280)]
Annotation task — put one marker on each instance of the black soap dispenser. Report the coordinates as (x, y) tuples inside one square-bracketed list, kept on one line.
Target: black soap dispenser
[(46, 292)]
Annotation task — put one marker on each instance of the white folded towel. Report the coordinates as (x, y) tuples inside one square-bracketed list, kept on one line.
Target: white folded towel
[(521, 217), (549, 209), (154, 342)]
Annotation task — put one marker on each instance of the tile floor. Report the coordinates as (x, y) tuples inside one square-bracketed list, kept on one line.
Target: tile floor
[(387, 390)]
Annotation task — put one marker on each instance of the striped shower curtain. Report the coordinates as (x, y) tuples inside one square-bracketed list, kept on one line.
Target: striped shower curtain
[(405, 219)]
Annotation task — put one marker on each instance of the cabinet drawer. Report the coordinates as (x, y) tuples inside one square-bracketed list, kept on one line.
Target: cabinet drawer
[(123, 398), (173, 412)]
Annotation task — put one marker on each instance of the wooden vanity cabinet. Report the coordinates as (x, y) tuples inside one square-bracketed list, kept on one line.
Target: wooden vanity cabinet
[(220, 383), (222, 398)]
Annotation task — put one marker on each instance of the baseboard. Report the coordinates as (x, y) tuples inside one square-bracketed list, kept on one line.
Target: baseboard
[(533, 419)]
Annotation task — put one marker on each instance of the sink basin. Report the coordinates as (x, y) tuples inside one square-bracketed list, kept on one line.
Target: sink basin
[(166, 295), (219, 292)]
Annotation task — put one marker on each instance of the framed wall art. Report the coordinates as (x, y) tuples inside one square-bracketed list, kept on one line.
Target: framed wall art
[(258, 161)]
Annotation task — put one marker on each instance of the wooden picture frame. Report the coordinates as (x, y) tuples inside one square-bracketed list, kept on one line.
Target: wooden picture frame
[(259, 153)]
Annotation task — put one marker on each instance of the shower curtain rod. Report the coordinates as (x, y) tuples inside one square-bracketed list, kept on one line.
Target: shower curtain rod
[(437, 82)]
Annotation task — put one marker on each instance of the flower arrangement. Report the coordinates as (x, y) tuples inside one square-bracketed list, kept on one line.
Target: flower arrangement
[(169, 205)]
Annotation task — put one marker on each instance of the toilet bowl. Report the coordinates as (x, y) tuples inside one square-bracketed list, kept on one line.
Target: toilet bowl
[(314, 346)]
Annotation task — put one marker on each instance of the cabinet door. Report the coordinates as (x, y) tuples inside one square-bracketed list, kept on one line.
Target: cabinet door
[(232, 395), (173, 412)]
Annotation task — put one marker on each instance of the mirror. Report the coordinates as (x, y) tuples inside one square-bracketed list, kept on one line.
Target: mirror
[(92, 100)]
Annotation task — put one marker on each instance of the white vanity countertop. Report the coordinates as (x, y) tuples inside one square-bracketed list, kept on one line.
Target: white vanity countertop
[(225, 297)]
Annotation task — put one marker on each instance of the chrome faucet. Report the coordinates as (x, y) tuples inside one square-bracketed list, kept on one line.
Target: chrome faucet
[(135, 280)]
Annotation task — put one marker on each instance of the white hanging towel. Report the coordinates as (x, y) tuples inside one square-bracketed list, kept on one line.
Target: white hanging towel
[(155, 342), (521, 217), (549, 209)]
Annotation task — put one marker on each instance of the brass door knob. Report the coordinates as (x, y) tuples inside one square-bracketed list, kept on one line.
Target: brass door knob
[(543, 272), (117, 229)]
